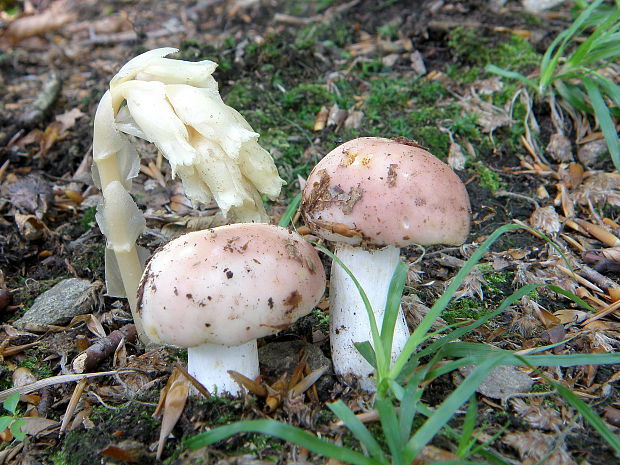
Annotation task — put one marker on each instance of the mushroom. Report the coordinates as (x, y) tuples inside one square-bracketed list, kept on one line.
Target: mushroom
[(216, 291), (372, 196)]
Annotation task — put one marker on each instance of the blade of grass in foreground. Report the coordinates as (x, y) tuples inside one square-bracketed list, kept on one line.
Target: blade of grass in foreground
[(392, 306), (478, 352), (418, 334), (290, 211), (445, 412), (285, 432), (382, 366), (590, 415), (358, 429), (604, 120)]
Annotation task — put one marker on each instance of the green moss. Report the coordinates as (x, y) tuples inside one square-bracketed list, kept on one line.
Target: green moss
[(88, 218), (514, 53), (89, 260), (321, 320), (488, 178), (388, 31), (58, 458), (541, 387), (463, 309), (132, 420), (38, 368)]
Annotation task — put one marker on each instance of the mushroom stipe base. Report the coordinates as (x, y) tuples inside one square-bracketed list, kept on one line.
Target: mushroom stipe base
[(209, 364)]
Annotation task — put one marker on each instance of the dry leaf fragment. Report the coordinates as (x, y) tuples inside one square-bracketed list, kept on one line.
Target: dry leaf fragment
[(456, 158), (560, 147), (546, 219), (534, 447), (354, 120), (174, 403), (537, 416), (31, 194), (68, 118), (321, 119), (599, 233), (30, 227), (432, 454), (57, 14)]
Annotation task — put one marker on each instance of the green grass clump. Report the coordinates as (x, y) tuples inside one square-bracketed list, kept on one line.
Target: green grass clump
[(570, 71)]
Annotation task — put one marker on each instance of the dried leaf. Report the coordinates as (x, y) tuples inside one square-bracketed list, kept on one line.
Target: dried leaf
[(546, 219), (176, 397), (30, 227), (534, 447), (559, 147), (456, 158), (537, 416), (68, 119)]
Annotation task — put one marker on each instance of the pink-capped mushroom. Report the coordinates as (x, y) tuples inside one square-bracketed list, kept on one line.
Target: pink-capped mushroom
[(372, 196), (216, 291)]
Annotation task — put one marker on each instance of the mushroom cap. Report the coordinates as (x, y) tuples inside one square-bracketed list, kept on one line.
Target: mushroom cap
[(385, 192), (229, 285)]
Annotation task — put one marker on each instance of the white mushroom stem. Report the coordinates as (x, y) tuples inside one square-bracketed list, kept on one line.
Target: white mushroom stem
[(349, 321), (209, 364)]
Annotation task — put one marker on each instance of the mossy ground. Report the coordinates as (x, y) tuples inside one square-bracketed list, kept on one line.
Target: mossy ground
[(280, 77)]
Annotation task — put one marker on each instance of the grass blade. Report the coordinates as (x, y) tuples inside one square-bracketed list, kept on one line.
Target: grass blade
[(365, 348), (391, 430), (418, 334), (589, 414), (510, 75), (476, 352), (469, 423), (553, 54), (380, 357), (604, 120), (358, 429), (290, 211), (284, 432), (444, 412), (392, 306)]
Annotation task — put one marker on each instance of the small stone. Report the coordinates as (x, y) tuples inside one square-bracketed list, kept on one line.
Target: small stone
[(589, 153), (279, 357), (68, 298), (417, 63), (502, 382), (560, 147)]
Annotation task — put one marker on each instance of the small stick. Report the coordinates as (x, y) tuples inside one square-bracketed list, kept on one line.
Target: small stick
[(103, 348), (75, 397)]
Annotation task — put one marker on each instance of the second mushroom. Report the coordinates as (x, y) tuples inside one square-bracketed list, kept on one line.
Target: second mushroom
[(216, 291), (372, 196)]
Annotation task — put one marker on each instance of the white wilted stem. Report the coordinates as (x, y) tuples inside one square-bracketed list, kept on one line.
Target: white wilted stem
[(175, 105)]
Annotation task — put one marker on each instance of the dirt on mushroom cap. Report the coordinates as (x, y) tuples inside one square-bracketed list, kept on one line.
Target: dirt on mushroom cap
[(388, 192)]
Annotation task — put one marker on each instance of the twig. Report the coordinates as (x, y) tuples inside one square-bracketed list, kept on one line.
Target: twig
[(129, 36), (103, 348), (61, 379), (73, 402), (503, 193)]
